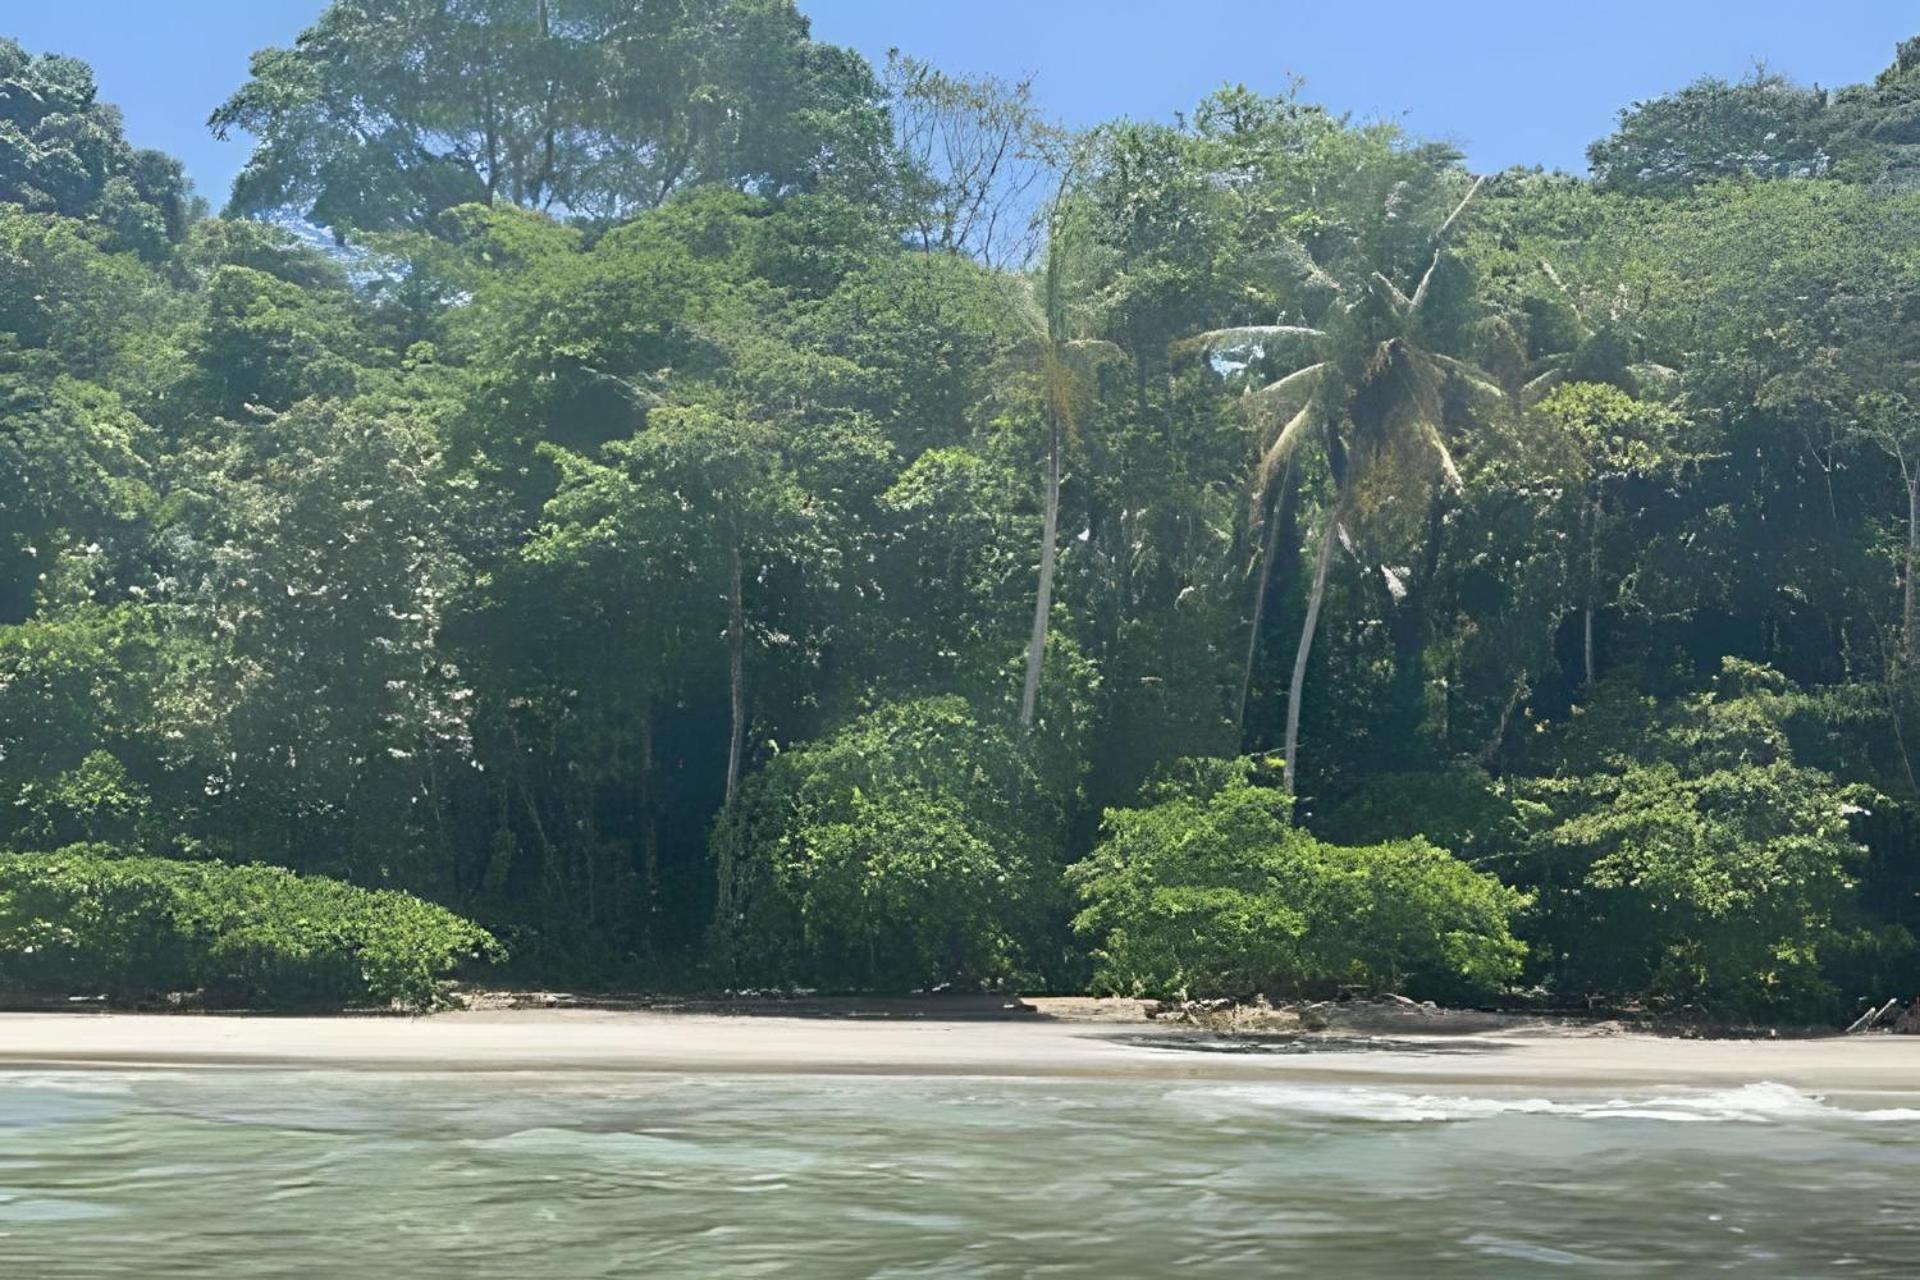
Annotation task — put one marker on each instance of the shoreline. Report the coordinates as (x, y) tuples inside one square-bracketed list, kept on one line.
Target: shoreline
[(1043, 1047)]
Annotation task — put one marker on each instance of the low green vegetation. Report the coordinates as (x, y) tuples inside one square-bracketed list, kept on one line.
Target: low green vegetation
[(714, 512), (1703, 864), (913, 847), (86, 921), (1209, 888)]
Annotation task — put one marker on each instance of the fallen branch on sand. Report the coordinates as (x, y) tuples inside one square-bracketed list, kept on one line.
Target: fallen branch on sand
[(1874, 1017)]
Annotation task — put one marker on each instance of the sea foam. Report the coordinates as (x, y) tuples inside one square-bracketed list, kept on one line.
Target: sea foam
[(1761, 1103)]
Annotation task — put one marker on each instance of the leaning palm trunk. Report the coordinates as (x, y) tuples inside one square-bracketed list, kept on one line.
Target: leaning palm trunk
[(1290, 762), (1043, 602), (736, 670), (1397, 400), (736, 741), (1593, 586), (1268, 552), (1909, 620)]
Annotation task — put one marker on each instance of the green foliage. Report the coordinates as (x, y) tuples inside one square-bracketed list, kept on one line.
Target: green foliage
[(63, 151), (86, 713), (1767, 126), (1698, 861), (1764, 126), (385, 115), (74, 472), (916, 845), (83, 920), (318, 558), (95, 802), (63, 292), (1210, 890), (635, 537), (1460, 809)]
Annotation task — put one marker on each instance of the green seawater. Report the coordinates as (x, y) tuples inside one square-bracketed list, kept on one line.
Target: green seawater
[(270, 1173)]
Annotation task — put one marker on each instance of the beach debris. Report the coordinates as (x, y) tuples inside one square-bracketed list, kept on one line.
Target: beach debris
[(1899, 1016), (1228, 1014)]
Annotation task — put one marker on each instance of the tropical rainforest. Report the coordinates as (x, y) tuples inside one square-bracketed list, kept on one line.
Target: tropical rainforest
[(628, 494)]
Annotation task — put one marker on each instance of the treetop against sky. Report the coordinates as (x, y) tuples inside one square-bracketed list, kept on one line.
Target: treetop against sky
[(1495, 79)]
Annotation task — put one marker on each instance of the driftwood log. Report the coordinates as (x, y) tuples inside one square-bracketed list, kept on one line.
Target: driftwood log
[(1873, 1017)]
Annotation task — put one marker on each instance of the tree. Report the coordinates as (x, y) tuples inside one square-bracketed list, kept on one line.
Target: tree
[(63, 151), (711, 492), (317, 554), (75, 468), (914, 845), (1062, 389), (1764, 126), (976, 151), (1595, 442), (1698, 859), (1373, 388), (385, 113)]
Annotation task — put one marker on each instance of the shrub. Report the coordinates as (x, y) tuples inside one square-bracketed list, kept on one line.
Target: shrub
[(912, 846), (1696, 861), (1209, 890), (83, 920)]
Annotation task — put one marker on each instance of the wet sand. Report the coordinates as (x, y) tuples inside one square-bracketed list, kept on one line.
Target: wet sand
[(1041, 1046)]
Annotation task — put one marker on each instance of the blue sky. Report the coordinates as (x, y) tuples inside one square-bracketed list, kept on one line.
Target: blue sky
[(1511, 81)]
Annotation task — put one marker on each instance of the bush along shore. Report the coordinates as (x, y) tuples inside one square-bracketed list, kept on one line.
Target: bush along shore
[(139, 930)]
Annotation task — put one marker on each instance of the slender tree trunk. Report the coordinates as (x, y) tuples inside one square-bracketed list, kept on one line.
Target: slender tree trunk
[(1043, 602), (1268, 552), (736, 668), (449, 855), (1295, 687), (493, 151), (1909, 621), (1586, 640), (737, 682), (1593, 576), (649, 837)]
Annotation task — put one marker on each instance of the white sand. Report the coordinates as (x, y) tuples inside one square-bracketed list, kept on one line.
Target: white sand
[(524, 1040)]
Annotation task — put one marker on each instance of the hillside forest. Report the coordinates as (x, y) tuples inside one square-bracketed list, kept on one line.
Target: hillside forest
[(625, 494)]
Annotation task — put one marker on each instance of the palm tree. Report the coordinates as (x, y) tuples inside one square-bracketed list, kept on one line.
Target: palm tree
[(1067, 366), (1603, 353), (1371, 391)]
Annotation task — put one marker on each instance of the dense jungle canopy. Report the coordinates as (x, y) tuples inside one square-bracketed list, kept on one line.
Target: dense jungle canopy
[(719, 513)]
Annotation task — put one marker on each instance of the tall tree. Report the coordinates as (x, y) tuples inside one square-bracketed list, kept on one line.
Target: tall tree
[(976, 152), (386, 112), (1067, 361), (1374, 391), (64, 151)]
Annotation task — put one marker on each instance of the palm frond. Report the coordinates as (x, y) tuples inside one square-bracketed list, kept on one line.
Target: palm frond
[(1440, 243), (1243, 336), (1401, 301), (1535, 391), (1467, 374), (1269, 398), (1276, 455), (1446, 227), (1546, 269), (1444, 456)]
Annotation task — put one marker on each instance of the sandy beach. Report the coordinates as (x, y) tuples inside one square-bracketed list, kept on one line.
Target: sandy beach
[(1039, 1046)]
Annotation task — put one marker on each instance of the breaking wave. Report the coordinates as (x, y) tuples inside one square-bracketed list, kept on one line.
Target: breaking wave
[(1761, 1103)]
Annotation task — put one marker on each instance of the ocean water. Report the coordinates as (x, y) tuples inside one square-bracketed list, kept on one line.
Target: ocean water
[(365, 1174)]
